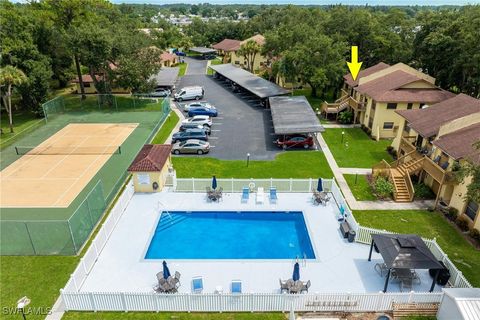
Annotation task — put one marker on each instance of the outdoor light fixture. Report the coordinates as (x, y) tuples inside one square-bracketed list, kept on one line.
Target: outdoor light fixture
[(21, 304), (248, 158), (343, 134)]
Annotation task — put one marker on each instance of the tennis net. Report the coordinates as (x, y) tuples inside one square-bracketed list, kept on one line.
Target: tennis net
[(52, 150)]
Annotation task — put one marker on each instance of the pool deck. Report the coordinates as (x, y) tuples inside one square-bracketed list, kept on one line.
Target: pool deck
[(339, 266)]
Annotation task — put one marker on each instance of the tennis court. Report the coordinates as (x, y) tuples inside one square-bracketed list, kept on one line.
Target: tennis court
[(52, 174)]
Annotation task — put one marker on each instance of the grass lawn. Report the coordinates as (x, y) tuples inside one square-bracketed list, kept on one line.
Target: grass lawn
[(428, 225), (73, 102), (290, 164), (361, 189), (166, 128), (39, 278), (361, 152), (213, 62), (23, 122), (178, 316), (183, 68), (315, 102)]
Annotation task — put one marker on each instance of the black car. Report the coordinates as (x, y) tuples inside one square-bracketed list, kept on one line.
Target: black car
[(193, 125), (199, 134)]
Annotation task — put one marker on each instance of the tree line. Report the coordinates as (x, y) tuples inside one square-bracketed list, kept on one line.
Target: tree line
[(49, 42)]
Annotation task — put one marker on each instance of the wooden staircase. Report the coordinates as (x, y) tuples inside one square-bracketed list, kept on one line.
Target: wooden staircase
[(401, 192)]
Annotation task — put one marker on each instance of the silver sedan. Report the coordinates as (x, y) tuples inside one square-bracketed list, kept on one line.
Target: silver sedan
[(191, 146)]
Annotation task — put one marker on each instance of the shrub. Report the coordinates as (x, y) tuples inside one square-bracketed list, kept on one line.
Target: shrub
[(475, 234), (390, 149), (422, 191), (452, 214), (383, 188), (462, 223), (345, 117)]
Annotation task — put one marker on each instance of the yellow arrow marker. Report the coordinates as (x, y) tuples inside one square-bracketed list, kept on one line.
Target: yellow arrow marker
[(354, 66)]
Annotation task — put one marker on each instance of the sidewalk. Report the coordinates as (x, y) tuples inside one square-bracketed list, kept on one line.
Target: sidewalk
[(350, 198), (338, 126), (180, 116)]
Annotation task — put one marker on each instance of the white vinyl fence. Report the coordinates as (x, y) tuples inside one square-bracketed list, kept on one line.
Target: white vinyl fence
[(245, 302), (91, 255), (255, 302)]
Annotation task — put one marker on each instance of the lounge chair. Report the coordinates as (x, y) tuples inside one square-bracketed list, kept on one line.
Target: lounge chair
[(381, 269), (219, 194), (260, 195), (273, 195), (197, 285), (436, 159), (305, 286), (406, 284), (236, 286), (210, 194), (245, 194), (316, 197), (444, 165), (324, 198)]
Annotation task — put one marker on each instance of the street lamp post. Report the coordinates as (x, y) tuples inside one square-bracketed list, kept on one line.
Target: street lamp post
[(21, 304), (343, 134), (248, 158)]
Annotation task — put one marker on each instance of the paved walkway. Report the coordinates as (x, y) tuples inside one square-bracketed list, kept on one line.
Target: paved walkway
[(350, 198), (363, 171)]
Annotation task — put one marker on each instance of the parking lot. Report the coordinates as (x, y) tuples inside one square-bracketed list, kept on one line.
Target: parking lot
[(242, 126)]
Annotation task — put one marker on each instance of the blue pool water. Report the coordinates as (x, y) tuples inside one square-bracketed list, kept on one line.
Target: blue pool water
[(230, 235)]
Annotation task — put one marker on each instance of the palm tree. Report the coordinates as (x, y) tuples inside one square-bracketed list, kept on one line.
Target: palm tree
[(249, 50), (11, 76)]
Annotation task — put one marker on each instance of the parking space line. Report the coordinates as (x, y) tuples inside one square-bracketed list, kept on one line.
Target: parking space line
[(217, 124), (215, 130), (212, 138)]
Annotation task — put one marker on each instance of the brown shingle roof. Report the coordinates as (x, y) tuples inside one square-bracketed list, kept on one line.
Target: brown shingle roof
[(152, 157), (86, 78), (459, 144), (363, 73), (389, 89), (428, 121), (167, 56), (227, 45)]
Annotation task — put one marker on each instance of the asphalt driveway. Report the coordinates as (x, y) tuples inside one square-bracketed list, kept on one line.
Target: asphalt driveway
[(242, 126)]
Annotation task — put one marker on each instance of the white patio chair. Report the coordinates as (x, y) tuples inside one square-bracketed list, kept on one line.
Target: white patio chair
[(260, 198)]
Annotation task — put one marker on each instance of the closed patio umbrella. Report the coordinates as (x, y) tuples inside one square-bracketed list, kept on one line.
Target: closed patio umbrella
[(319, 186), (214, 183), (296, 272), (166, 271)]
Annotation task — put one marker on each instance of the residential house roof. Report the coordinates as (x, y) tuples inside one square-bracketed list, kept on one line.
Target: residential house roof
[(167, 56), (363, 73), (389, 89), (86, 78), (427, 121), (227, 45), (258, 38), (151, 158), (459, 144)]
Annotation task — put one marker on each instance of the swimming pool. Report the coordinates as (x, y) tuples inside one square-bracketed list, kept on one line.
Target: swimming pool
[(230, 235)]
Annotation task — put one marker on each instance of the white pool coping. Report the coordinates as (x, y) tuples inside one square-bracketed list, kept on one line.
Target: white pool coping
[(339, 266)]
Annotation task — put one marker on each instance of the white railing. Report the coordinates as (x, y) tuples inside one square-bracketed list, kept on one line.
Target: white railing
[(236, 185), (91, 255), (457, 279), (255, 302)]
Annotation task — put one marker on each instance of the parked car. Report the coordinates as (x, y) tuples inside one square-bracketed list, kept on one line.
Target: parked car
[(189, 93), (187, 107), (210, 56), (202, 111), (201, 120), (190, 125), (199, 134), (159, 93), (191, 146), (292, 141)]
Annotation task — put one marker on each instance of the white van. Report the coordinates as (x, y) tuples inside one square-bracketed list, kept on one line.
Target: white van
[(189, 93)]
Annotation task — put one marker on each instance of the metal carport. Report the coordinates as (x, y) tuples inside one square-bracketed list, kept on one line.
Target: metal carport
[(256, 85), (203, 51), (293, 115), (166, 77)]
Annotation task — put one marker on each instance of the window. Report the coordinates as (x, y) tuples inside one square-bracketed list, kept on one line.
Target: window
[(406, 128), (388, 125), (421, 105), (143, 178), (374, 104), (370, 122), (86, 84), (471, 210), (237, 62), (409, 106), (391, 106)]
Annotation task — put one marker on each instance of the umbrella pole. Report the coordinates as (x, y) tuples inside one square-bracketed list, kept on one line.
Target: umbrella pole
[(386, 281), (370, 254), (435, 280)]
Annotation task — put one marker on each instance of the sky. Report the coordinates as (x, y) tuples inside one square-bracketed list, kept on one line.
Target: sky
[(307, 2)]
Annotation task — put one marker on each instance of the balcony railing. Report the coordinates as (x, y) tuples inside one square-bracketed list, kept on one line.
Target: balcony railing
[(406, 144)]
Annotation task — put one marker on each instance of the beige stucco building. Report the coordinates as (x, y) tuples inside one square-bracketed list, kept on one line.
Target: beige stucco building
[(228, 48), (380, 91), (151, 167), (432, 143)]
